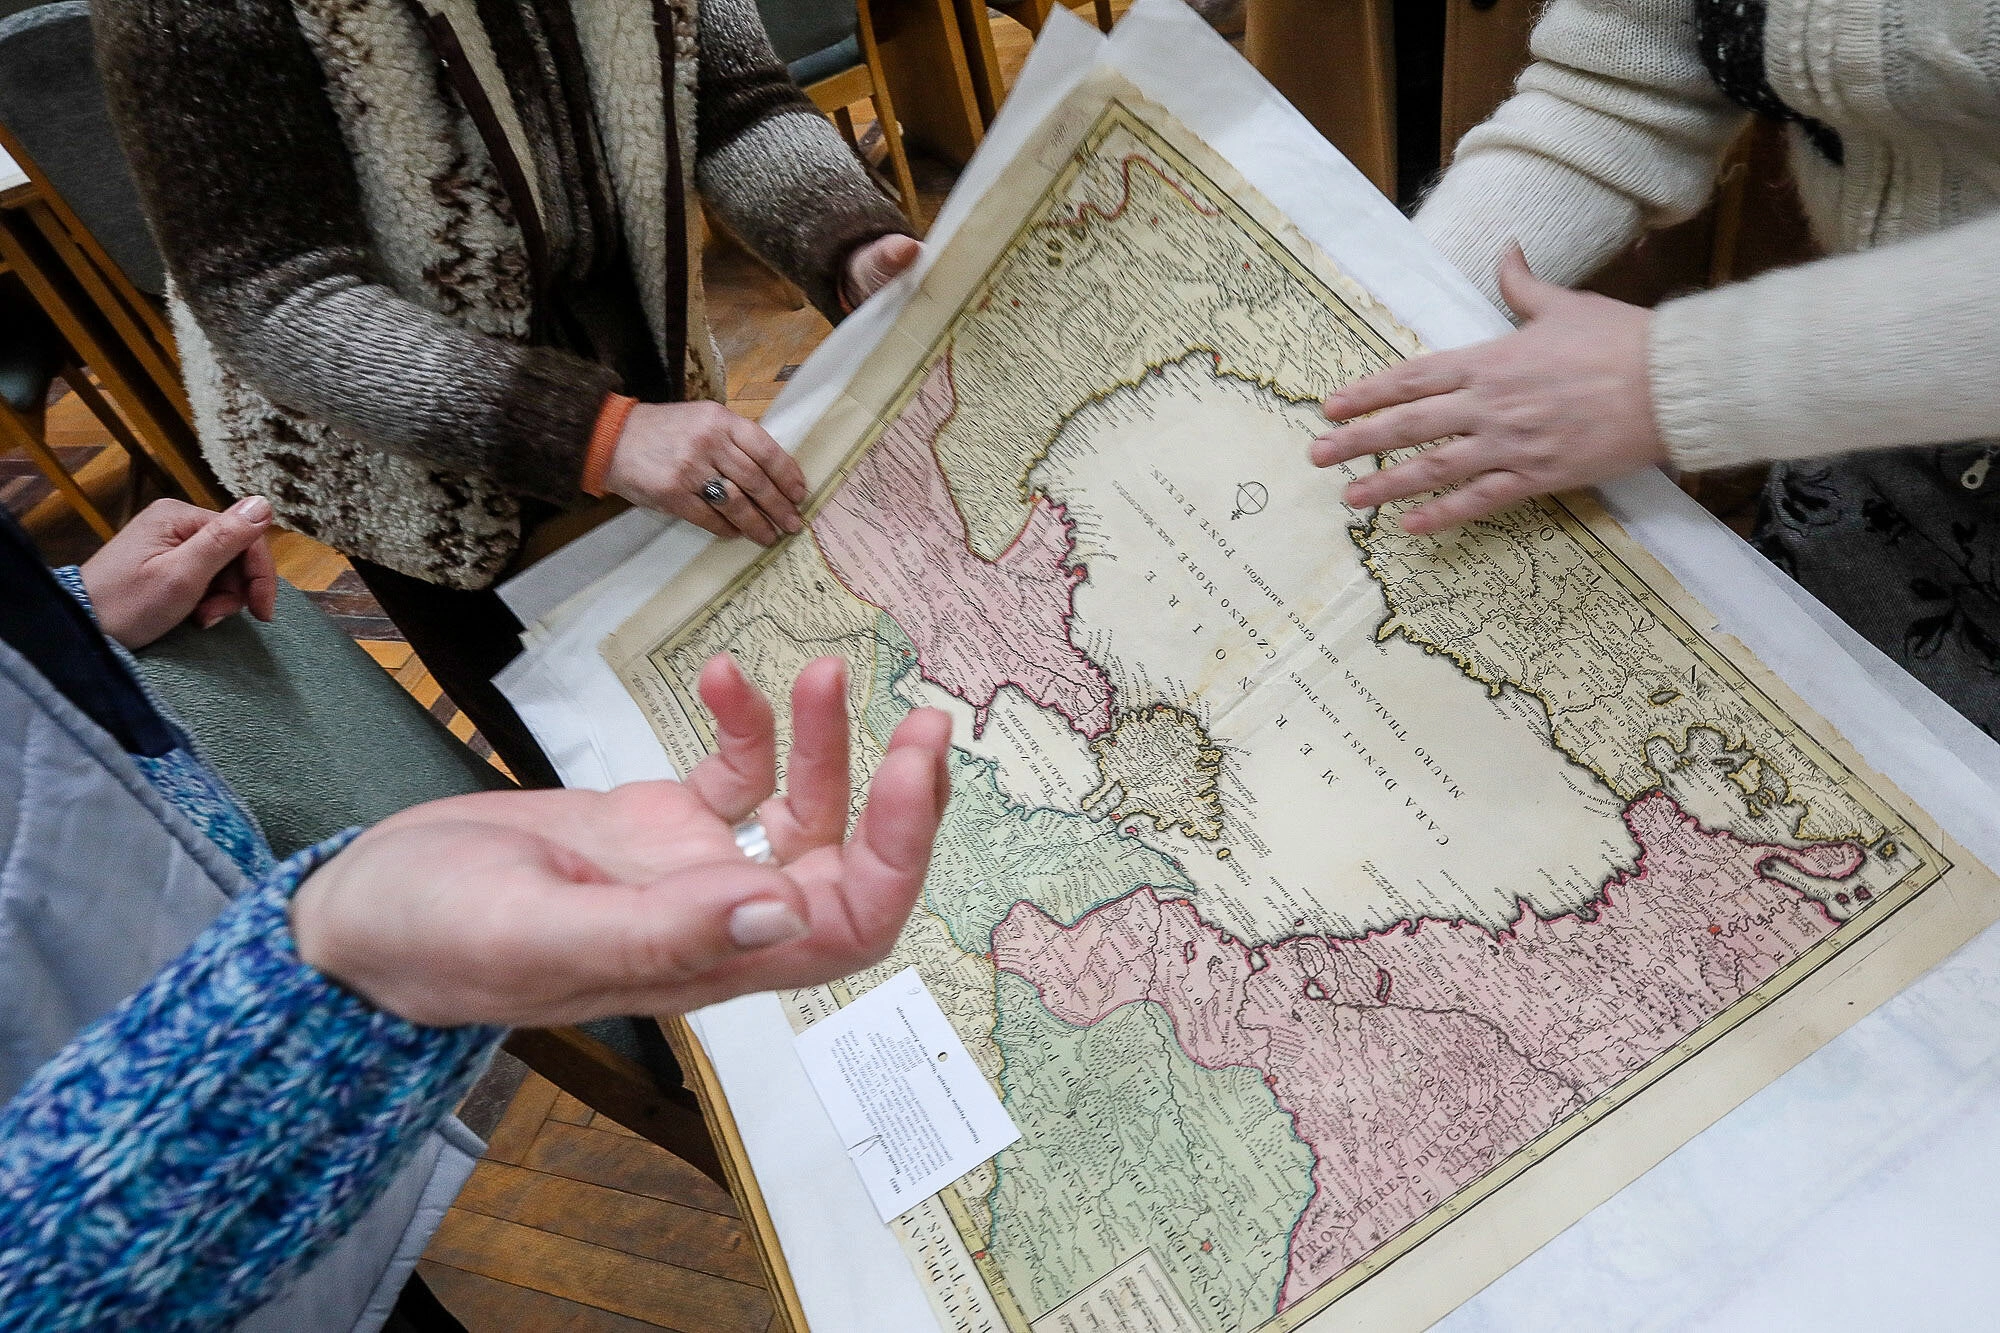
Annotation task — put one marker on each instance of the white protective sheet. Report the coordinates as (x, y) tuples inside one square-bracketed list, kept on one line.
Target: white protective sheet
[(1856, 1191)]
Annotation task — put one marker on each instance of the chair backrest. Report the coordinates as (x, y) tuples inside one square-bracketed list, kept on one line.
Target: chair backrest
[(800, 28), (53, 102)]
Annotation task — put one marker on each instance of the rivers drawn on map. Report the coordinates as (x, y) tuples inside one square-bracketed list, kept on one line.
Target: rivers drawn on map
[(1304, 881)]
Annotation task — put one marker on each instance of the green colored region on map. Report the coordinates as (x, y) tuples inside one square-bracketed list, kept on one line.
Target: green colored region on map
[(993, 854), (1128, 1144), (895, 657)]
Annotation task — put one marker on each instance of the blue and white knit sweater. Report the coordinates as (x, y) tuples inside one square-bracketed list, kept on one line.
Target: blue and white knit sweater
[(185, 1156)]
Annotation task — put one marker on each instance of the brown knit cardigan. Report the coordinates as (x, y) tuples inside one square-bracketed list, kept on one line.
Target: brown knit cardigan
[(364, 204)]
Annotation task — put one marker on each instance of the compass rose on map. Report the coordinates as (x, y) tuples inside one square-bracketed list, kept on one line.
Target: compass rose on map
[(1251, 497)]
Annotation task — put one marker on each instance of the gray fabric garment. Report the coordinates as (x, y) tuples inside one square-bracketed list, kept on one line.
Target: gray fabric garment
[(101, 883), (1904, 545), (79, 929)]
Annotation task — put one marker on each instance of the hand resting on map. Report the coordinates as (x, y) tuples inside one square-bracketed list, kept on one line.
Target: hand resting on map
[(1562, 402), (541, 908), (723, 472)]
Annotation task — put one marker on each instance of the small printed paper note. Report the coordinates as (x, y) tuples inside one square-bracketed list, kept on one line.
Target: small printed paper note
[(910, 1106)]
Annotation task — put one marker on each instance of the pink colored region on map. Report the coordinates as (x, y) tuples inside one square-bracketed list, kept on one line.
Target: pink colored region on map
[(1414, 1060), (894, 537)]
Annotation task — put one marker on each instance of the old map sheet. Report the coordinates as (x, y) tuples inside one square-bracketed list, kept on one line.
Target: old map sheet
[(1305, 884)]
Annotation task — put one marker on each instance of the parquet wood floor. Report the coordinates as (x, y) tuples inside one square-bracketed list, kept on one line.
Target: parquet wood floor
[(572, 1222)]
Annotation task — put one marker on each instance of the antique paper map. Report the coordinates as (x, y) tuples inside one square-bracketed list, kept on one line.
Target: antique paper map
[(1305, 883)]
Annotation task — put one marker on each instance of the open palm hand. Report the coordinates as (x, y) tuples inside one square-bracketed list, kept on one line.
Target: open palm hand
[(549, 907)]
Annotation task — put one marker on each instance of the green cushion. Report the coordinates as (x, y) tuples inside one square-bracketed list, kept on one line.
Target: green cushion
[(31, 350), (315, 737), (309, 730), (24, 384), (800, 28), (835, 59)]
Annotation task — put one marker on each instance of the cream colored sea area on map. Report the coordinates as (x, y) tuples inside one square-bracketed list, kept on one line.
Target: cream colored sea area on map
[(1300, 875)]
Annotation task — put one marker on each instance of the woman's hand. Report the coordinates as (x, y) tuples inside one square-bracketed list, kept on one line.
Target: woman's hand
[(871, 266), (540, 908), (174, 560), (704, 463), (720, 471), (1562, 402)]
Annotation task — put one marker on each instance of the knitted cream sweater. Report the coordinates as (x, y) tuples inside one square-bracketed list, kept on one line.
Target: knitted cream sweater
[(1618, 126)]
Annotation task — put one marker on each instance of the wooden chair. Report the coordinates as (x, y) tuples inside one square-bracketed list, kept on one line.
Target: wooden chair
[(589, 1064), (976, 31), (832, 53), (33, 356), (1337, 64), (76, 239), (1485, 50), (1032, 14)]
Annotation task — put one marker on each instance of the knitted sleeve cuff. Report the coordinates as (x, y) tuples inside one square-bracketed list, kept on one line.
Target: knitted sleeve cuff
[(541, 429), (1695, 407), (71, 579), (604, 441), (187, 1154), (1882, 349)]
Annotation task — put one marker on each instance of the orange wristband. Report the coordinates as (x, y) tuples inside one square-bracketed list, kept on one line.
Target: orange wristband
[(604, 440)]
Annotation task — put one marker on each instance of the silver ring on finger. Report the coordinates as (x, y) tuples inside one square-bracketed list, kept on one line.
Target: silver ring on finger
[(756, 486), (755, 842), (715, 491)]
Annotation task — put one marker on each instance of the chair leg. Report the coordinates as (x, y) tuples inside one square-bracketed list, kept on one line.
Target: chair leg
[(143, 471), (885, 112), (620, 1088), (1030, 14), (16, 429), (899, 161), (843, 118), (1104, 18), (112, 420), (1732, 187)]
